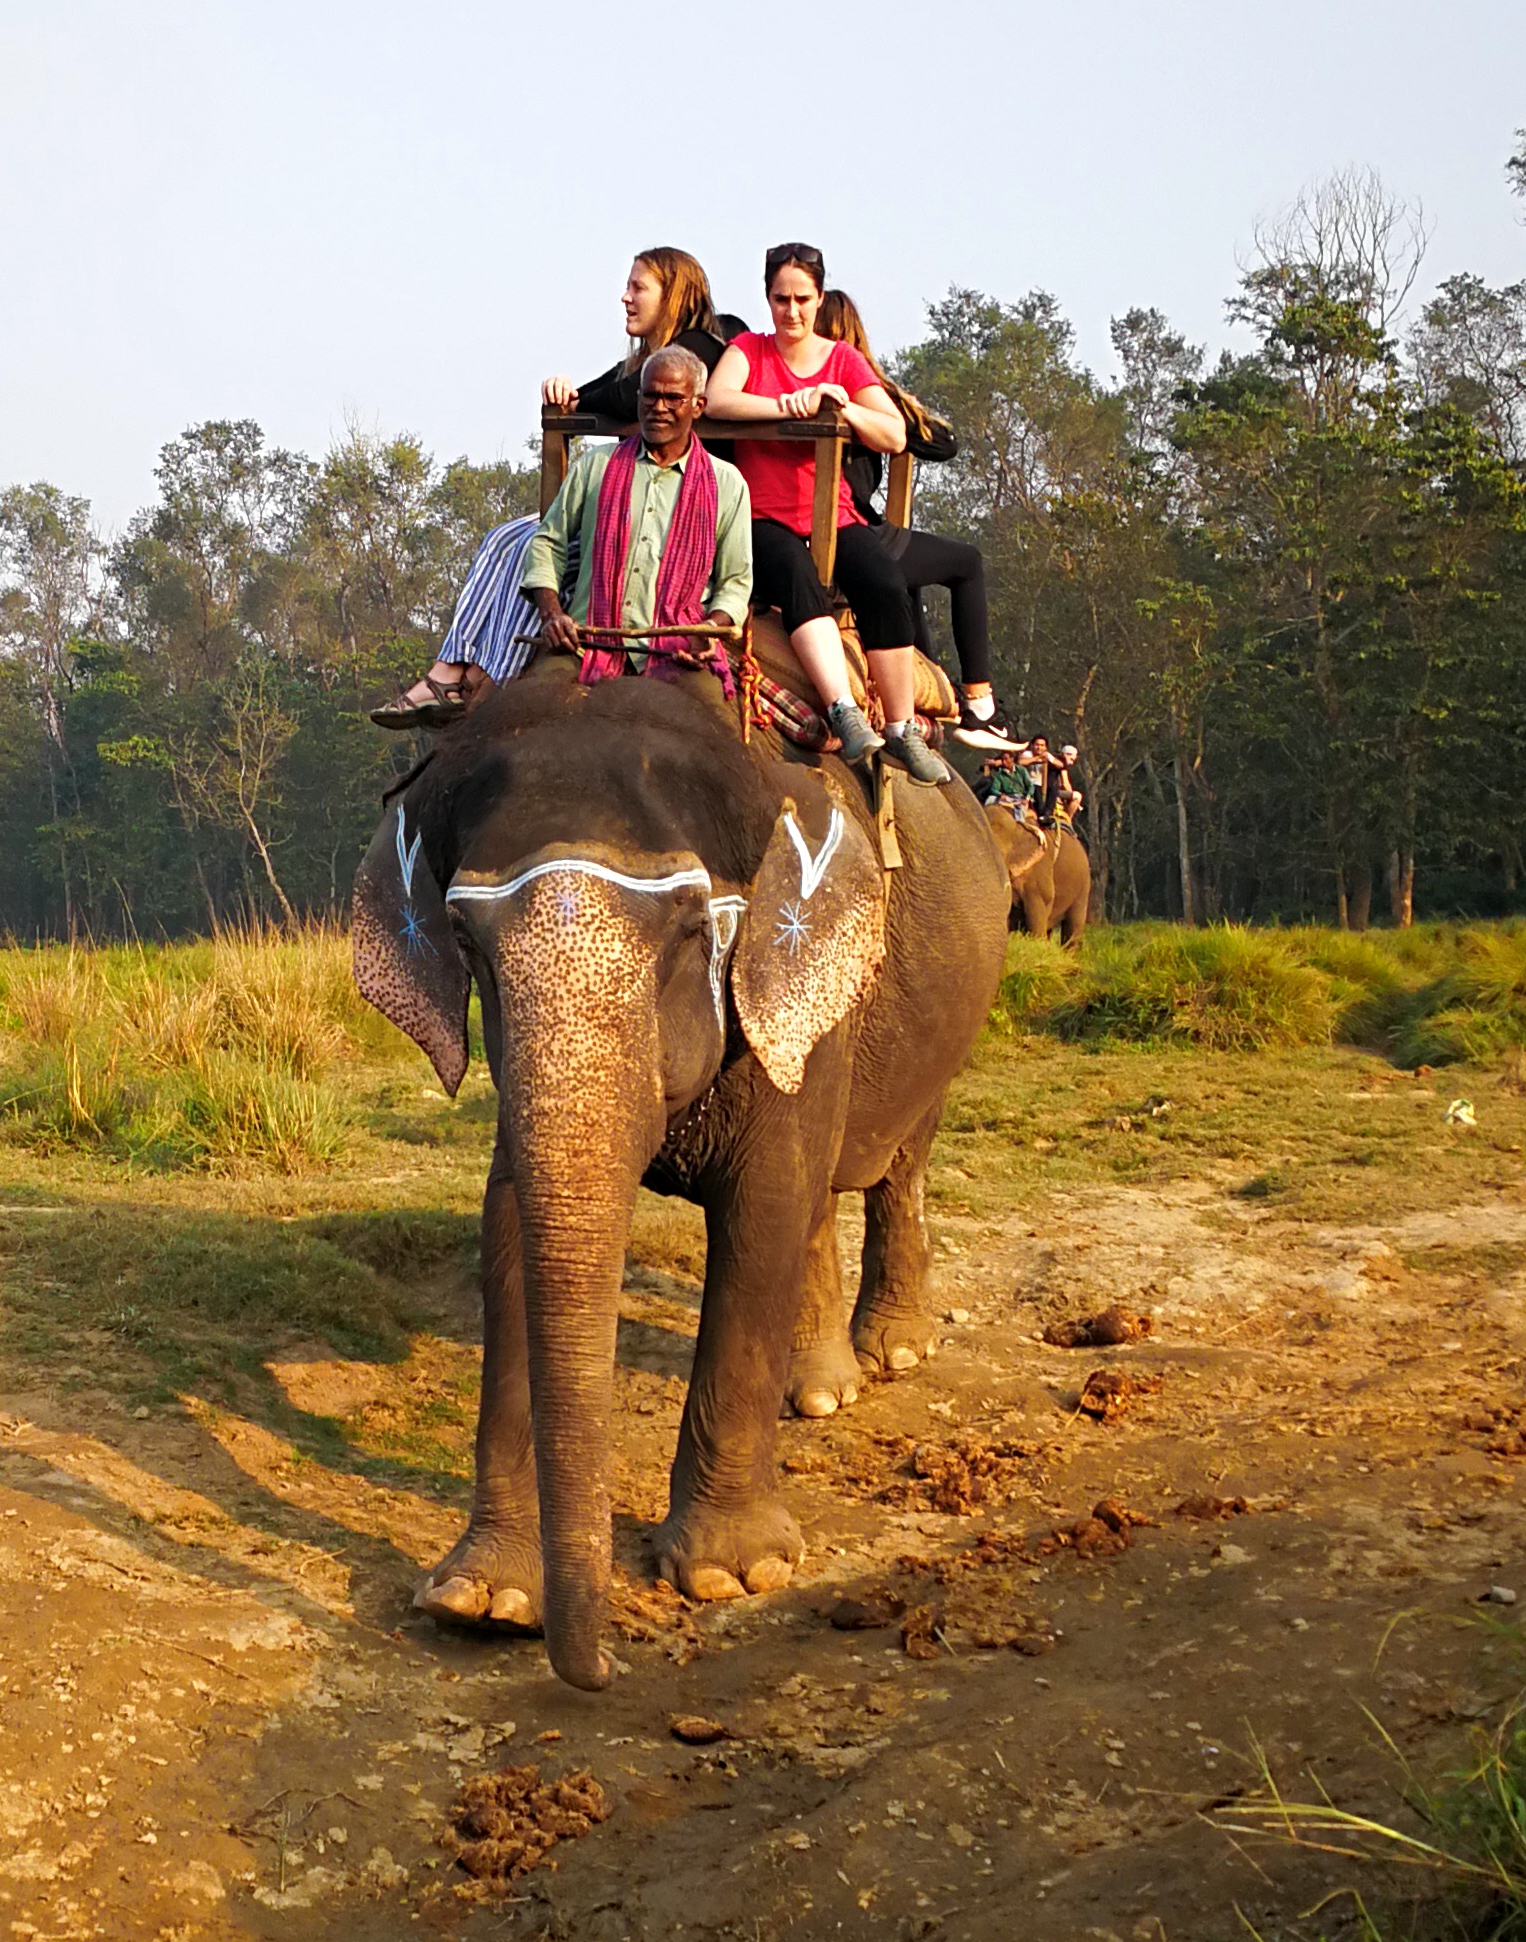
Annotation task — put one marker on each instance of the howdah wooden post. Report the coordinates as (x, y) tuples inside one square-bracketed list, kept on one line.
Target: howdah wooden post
[(898, 490)]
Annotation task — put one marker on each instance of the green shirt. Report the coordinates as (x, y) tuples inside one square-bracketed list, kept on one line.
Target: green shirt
[(654, 494), (1015, 784)]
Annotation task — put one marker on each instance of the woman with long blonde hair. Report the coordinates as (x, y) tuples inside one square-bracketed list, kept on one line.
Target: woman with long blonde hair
[(926, 559), (666, 301)]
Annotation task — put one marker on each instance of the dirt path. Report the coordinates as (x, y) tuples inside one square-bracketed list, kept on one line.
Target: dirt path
[(223, 1720)]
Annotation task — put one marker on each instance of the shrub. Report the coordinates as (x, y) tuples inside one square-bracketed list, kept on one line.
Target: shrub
[(1226, 989), (1038, 975)]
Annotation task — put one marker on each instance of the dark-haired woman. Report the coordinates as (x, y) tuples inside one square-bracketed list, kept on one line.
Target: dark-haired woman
[(666, 301), (789, 373), (927, 559)]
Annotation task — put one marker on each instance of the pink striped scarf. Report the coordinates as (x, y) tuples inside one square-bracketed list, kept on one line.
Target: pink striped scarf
[(688, 560)]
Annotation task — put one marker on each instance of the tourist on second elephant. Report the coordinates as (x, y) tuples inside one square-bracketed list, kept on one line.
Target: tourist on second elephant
[(661, 533), (792, 372), (666, 301), (926, 559), (1004, 782)]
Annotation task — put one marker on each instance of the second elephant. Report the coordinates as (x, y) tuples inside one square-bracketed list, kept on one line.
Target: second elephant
[(1049, 873)]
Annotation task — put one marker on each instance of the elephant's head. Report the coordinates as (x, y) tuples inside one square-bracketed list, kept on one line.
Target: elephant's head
[(619, 968)]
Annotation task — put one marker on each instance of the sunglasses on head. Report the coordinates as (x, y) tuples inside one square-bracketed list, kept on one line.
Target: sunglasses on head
[(794, 253)]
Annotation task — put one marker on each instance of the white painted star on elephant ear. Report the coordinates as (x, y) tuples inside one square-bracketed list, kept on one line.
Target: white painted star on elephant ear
[(792, 927)]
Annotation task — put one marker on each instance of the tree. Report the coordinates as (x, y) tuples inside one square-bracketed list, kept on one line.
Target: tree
[(1469, 350), (50, 593)]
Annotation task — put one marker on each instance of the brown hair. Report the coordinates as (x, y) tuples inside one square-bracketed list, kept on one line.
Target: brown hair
[(803, 256), (839, 317), (686, 301)]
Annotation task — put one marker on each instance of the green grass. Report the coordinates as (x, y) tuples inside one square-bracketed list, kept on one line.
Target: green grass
[(1439, 995)]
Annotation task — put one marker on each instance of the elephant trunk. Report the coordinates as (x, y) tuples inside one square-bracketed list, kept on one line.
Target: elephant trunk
[(581, 1105), (574, 1253)]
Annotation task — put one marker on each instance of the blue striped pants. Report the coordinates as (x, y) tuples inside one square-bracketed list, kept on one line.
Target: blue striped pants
[(491, 609)]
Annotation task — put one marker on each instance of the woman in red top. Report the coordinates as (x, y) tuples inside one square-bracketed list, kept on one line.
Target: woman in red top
[(790, 374)]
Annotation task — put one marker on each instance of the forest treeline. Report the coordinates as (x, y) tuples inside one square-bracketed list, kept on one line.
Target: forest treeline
[(1278, 601)]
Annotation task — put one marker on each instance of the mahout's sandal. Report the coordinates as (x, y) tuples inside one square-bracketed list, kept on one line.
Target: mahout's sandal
[(447, 703)]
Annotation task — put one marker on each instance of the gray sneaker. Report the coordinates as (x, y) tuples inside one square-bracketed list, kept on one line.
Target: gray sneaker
[(850, 725), (911, 750)]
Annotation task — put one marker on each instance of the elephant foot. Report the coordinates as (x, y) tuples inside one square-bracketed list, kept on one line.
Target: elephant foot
[(891, 1345), (709, 1553), (492, 1577), (822, 1378)]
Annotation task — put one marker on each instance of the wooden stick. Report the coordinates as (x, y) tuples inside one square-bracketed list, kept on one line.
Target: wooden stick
[(699, 632)]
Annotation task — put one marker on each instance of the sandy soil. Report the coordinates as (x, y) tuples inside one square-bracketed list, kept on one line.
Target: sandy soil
[(223, 1719)]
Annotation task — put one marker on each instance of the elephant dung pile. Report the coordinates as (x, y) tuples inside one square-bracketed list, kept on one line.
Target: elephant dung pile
[(504, 1824), (1504, 1426), (1108, 1330)]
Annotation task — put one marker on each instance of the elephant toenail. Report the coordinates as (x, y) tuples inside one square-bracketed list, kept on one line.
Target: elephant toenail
[(902, 1358), (710, 1583), (461, 1597), (816, 1402), (770, 1574), (849, 1396), (511, 1606)]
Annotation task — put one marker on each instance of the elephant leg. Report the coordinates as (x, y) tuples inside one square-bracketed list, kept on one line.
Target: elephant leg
[(727, 1530), (823, 1370), (892, 1319), (494, 1573)]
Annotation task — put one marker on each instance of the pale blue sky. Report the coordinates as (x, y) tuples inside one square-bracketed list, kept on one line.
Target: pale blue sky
[(404, 215)]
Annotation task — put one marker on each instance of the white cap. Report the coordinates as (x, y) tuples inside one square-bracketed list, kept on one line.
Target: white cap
[(1070, 751)]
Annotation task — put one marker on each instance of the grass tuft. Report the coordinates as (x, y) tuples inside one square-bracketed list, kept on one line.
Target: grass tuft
[(222, 1054), (1431, 997)]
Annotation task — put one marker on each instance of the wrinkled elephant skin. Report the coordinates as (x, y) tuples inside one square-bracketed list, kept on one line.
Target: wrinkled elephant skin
[(691, 975)]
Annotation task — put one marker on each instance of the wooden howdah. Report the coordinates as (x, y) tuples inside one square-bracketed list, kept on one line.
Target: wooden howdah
[(829, 430)]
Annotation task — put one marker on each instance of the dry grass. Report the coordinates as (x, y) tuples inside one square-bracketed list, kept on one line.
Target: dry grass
[(220, 1054)]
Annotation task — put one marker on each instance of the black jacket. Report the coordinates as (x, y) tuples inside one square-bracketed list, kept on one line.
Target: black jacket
[(614, 394), (864, 469)]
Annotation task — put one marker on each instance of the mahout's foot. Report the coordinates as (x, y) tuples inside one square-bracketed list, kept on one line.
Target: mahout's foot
[(893, 1343), (710, 1553), (491, 1577), (822, 1378)]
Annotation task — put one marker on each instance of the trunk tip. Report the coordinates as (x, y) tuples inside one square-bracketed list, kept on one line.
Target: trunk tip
[(590, 1672)]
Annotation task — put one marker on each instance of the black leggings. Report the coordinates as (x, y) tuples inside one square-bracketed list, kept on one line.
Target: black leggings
[(784, 576), (928, 561)]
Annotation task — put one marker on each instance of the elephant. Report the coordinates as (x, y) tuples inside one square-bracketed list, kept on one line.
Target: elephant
[(1049, 872), (693, 973)]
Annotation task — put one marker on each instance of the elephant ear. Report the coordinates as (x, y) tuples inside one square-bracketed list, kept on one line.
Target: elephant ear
[(812, 939), (407, 961)]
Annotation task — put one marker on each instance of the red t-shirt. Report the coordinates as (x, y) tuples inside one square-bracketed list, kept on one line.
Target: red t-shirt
[(781, 474)]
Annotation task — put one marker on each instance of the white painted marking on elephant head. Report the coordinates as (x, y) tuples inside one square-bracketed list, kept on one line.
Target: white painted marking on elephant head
[(814, 868), (486, 893), (725, 918)]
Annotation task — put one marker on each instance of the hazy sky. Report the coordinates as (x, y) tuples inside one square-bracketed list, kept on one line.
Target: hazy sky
[(404, 214)]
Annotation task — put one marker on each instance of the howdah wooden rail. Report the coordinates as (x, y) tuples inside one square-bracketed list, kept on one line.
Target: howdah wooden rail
[(829, 431)]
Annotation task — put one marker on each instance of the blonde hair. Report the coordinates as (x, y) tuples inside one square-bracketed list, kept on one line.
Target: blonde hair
[(686, 302), (839, 317)]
